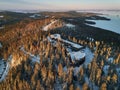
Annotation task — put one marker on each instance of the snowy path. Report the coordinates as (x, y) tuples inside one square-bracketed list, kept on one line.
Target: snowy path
[(58, 37), (32, 57), (4, 69), (46, 28)]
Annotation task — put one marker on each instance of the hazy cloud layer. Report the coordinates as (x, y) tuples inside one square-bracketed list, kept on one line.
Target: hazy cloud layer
[(60, 4)]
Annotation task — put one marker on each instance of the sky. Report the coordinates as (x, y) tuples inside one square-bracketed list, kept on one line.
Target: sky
[(58, 4)]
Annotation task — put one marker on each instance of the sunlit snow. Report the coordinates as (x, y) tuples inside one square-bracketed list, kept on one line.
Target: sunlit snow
[(46, 28)]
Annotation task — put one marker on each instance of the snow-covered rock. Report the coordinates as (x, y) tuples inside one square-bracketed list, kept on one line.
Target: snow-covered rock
[(56, 36)]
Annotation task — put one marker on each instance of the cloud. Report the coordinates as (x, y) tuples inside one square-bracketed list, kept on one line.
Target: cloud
[(25, 4), (59, 4)]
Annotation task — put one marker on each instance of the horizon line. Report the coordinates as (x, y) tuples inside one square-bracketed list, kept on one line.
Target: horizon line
[(56, 9)]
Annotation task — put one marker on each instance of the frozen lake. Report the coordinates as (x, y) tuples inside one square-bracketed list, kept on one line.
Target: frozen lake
[(112, 25)]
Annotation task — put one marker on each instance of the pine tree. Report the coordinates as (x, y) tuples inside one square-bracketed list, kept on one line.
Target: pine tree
[(60, 69), (85, 87), (103, 86)]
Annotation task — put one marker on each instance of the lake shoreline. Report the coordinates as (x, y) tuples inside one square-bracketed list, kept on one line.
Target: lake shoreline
[(83, 31)]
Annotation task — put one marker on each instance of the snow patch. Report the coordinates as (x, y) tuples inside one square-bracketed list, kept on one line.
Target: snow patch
[(56, 36), (72, 44), (110, 60), (1, 16), (105, 69), (76, 70), (49, 39), (90, 39), (77, 55), (65, 69), (35, 15), (0, 45), (70, 25), (89, 56), (35, 58), (4, 69), (2, 27), (46, 16), (118, 71)]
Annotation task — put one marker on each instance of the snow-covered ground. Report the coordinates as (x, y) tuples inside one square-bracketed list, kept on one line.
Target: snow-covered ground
[(32, 57), (1, 16), (90, 39), (111, 59), (0, 45), (2, 65), (4, 68), (88, 59), (118, 71), (70, 25), (105, 69), (58, 36), (47, 27), (87, 53), (72, 44), (35, 15), (77, 55), (1, 27), (76, 70), (89, 56)]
